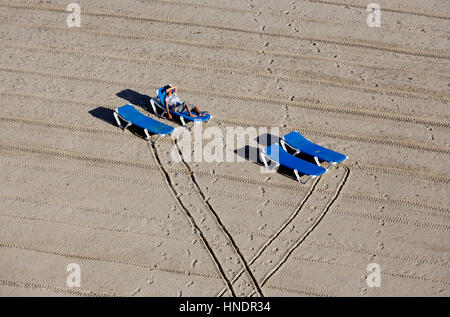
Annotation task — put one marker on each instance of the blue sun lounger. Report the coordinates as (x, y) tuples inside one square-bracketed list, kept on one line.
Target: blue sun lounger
[(158, 102), (299, 143), (278, 155), (129, 114)]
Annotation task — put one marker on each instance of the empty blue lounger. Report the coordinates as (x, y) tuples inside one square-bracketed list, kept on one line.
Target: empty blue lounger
[(130, 114), (278, 155), (299, 143), (158, 102)]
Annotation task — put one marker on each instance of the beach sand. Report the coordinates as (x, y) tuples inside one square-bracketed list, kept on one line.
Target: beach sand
[(76, 189)]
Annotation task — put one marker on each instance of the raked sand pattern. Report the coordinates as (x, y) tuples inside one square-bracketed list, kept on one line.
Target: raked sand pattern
[(76, 189)]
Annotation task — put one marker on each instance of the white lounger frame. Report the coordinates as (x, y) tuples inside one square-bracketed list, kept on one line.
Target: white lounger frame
[(154, 105), (265, 158), (148, 137), (297, 151)]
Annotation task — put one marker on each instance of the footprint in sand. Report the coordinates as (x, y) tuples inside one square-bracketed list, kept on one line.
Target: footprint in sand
[(137, 290), (189, 283)]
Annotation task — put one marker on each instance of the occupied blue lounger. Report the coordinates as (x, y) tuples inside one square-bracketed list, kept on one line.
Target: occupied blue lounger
[(158, 102), (299, 143), (278, 155), (130, 114)]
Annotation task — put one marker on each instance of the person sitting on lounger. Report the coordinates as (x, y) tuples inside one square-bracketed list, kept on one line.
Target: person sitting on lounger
[(174, 103)]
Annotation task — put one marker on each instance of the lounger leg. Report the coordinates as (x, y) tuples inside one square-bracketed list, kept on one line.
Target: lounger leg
[(283, 144), (148, 135), (299, 179), (298, 176), (331, 164), (116, 116), (182, 121), (128, 124), (152, 102), (317, 160), (264, 160)]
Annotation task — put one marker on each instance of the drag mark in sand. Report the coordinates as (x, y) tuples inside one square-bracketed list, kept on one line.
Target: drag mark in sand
[(191, 219), (220, 225), (278, 232), (308, 232)]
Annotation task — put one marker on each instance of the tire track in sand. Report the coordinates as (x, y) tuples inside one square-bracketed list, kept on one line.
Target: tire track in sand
[(404, 10), (363, 269), (362, 44), (147, 266), (320, 81), (235, 195), (290, 14), (230, 195), (371, 253), (53, 289), (109, 212), (307, 131), (253, 51), (389, 170)]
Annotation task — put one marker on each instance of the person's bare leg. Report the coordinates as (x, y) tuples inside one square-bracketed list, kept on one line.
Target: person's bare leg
[(189, 111), (198, 111)]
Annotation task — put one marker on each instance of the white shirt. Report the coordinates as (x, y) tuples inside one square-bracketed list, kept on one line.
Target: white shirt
[(173, 99)]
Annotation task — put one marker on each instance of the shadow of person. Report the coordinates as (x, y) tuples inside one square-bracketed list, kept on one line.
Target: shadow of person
[(135, 98)]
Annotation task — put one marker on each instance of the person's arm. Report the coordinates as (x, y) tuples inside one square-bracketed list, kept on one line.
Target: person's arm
[(175, 88), (167, 110)]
